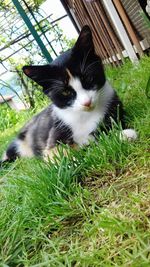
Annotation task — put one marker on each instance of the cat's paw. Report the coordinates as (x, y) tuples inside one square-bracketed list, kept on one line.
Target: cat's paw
[(85, 141), (128, 134), (48, 154), (52, 153)]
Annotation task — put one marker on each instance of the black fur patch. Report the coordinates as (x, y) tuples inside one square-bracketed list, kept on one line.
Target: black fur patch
[(11, 152), (62, 133)]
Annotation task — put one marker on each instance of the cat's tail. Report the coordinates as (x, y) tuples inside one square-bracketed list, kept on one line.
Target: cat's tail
[(9, 155), (128, 134), (3, 162)]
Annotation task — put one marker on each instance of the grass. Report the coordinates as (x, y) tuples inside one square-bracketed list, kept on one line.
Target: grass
[(91, 208)]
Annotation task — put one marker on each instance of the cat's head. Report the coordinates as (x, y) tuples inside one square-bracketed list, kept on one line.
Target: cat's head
[(75, 78)]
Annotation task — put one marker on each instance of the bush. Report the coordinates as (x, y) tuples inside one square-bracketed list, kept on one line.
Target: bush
[(8, 117)]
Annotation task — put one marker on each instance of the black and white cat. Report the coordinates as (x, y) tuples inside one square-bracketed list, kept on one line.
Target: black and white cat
[(82, 100)]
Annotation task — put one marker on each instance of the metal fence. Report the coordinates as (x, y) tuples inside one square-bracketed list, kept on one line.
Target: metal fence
[(18, 43)]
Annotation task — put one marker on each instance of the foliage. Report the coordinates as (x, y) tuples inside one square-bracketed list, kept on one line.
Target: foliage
[(18, 40), (148, 88), (4, 5), (90, 208), (38, 2), (8, 117)]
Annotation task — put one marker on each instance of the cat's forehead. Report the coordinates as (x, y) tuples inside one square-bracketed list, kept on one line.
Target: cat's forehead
[(76, 84), (73, 80), (67, 75)]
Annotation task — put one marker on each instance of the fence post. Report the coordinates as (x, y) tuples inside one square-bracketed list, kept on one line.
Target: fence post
[(128, 25), (120, 30), (32, 30)]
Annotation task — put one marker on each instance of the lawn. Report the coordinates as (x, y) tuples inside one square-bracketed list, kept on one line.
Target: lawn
[(91, 208)]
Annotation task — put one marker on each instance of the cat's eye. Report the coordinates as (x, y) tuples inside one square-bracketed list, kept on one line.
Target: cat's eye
[(66, 92)]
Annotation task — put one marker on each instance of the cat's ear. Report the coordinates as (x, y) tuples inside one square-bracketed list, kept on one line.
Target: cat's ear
[(85, 40), (40, 74)]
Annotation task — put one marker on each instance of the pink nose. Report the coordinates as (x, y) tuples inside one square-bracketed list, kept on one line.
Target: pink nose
[(87, 103)]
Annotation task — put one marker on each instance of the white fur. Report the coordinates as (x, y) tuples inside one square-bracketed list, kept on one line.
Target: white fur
[(84, 121), (4, 157), (128, 134), (83, 96), (24, 147)]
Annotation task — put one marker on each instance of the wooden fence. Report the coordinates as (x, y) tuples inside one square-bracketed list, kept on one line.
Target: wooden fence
[(119, 29)]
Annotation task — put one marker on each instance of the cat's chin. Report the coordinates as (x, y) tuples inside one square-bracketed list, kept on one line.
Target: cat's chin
[(84, 108), (88, 109)]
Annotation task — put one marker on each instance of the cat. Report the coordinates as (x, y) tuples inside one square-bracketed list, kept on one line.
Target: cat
[(82, 101)]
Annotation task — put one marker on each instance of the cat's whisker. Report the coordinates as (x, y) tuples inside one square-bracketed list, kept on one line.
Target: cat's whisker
[(90, 66), (83, 63), (58, 88), (54, 88), (58, 82)]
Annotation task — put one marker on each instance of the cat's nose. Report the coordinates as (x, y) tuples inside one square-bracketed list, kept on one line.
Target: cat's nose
[(87, 103)]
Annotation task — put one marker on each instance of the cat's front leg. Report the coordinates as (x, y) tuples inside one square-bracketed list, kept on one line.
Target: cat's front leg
[(90, 139), (85, 141)]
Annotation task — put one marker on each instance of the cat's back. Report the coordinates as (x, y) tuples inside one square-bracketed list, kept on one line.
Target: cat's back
[(40, 121)]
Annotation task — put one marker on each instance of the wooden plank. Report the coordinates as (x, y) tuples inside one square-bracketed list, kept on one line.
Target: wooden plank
[(134, 11), (108, 27), (127, 24), (120, 29), (9, 101), (100, 29), (4, 99), (84, 18)]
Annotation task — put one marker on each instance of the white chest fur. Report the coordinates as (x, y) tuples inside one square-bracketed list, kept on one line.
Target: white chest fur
[(86, 124), (83, 123)]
